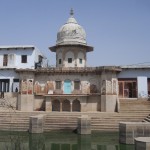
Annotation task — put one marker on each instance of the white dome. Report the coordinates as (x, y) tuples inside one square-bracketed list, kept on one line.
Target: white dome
[(71, 33)]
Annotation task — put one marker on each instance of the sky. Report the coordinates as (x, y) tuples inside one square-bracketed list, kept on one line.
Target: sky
[(119, 30)]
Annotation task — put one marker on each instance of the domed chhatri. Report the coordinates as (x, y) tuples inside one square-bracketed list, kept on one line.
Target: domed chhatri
[(71, 46), (71, 33)]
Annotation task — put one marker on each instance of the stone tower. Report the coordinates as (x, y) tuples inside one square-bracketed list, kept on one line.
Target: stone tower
[(71, 46)]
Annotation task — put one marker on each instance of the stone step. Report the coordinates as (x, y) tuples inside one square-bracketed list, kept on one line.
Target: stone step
[(147, 119), (59, 121)]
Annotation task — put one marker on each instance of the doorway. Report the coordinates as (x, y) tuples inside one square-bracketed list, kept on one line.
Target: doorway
[(67, 87)]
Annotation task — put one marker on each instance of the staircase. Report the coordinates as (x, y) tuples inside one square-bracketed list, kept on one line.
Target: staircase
[(130, 111), (147, 119)]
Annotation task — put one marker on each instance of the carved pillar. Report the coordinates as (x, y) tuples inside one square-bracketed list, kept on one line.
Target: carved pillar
[(109, 95), (70, 107), (48, 104), (25, 96), (60, 106)]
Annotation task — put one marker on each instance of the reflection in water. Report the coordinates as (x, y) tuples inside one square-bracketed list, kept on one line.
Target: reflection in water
[(61, 141), (84, 142)]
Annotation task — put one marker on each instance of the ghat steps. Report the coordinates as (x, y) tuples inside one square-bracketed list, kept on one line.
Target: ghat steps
[(130, 110)]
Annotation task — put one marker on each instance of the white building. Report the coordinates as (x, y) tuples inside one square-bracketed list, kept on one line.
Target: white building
[(15, 57)]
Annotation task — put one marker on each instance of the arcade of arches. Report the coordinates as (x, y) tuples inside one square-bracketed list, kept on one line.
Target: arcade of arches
[(66, 105)]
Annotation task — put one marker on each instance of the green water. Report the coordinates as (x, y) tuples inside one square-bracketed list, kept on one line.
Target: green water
[(61, 141)]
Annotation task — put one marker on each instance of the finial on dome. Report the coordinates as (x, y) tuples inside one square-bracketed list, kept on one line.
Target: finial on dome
[(71, 12)]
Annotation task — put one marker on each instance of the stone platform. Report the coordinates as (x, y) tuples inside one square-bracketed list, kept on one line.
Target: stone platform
[(128, 131)]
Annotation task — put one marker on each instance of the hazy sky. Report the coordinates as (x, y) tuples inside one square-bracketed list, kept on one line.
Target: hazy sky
[(119, 30)]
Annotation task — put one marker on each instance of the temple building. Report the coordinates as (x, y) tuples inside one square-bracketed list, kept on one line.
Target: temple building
[(72, 85)]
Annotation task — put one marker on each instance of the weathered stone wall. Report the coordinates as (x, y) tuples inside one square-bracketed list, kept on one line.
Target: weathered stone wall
[(9, 101), (25, 102), (39, 103), (73, 52), (44, 83), (108, 103), (94, 103)]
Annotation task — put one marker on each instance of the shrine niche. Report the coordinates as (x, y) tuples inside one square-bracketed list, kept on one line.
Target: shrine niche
[(30, 86), (109, 87), (50, 86), (40, 88), (24, 87), (93, 88), (37, 87), (27, 86), (94, 83)]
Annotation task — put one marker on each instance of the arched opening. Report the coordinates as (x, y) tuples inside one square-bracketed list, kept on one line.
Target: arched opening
[(55, 105), (76, 105), (66, 105), (99, 106)]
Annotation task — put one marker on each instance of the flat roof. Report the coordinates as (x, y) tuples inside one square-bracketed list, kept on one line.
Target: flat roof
[(17, 46), (135, 67)]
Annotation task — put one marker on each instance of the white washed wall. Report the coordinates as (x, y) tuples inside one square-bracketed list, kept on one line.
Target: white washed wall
[(9, 74), (80, 56), (142, 87), (69, 55), (32, 57)]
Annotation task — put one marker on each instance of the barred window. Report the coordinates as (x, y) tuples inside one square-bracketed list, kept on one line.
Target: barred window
[(69, 60), (23, 58), (80, 61), (77, 85), (5, 60), (59, 61), (58, 84)]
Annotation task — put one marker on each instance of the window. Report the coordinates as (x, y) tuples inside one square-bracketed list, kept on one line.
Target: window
[(69, 60), (23, 58), (77, 85), (80, 61), (58, 85), (5, 60), (59, 61), (4, 85)]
